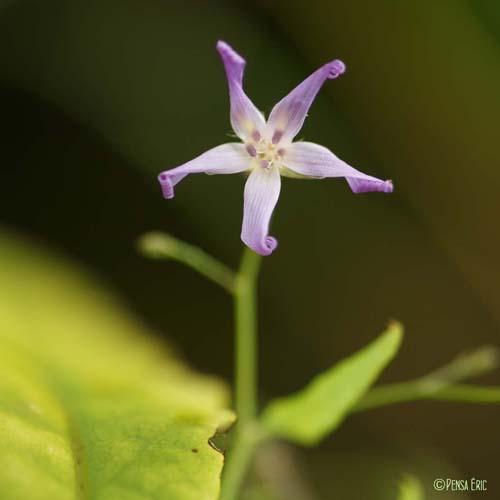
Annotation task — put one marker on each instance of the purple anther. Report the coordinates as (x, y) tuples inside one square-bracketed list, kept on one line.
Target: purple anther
[(251, 150), (256, 136), (277, 136)]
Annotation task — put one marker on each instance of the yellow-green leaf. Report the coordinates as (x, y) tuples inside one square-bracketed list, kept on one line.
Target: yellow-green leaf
[(90, 405), (309, 415), (410, 488)]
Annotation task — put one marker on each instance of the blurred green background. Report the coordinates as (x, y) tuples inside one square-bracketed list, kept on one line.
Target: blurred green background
[(98, 96)]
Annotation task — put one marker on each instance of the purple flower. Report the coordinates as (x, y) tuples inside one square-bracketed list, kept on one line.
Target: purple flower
[(267, 150)]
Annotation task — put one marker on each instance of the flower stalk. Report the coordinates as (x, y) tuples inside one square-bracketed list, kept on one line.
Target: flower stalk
[(246, 375), (239, 459), (245, 307)]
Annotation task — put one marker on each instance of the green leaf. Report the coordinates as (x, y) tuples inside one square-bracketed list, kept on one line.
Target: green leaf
[(90, 405), (309, 415), (410, 488)]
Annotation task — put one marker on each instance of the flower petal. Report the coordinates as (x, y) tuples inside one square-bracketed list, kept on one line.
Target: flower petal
[(247, 121), (262, 191), (313, 160), (228, 158), (287, 117)]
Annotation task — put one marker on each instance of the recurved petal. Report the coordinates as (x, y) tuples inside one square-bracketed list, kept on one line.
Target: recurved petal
[(228, 158), (287, 117), (247, 121), (262, 191), (313, 160)]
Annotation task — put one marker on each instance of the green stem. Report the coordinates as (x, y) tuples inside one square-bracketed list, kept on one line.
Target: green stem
[(440, 384), (416, 391), (238, 462), (468, 394), (158, 245), (246, 431), (245, 302)]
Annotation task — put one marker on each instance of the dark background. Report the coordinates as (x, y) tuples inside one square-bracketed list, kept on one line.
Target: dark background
[(98, 96)]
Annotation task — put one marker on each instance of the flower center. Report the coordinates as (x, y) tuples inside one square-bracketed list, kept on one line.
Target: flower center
[(265, 153)]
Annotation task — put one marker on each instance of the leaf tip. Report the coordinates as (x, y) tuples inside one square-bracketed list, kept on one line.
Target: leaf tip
[(395, 329)]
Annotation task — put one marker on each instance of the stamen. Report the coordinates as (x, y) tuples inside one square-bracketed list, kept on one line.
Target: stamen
[(264, 163), (256, 136), (337, 67), (277, 136), (251, 150), (280, 152)]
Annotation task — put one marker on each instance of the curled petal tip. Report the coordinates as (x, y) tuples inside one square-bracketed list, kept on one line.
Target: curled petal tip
[(225, 50), (221, 46), (267, 247), (337, 68), (369, 185), (388, 186), (166, 184), (270, 244)]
